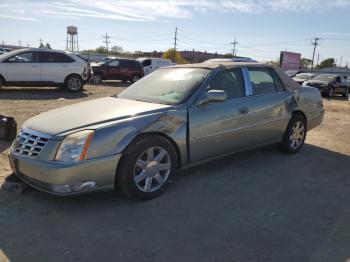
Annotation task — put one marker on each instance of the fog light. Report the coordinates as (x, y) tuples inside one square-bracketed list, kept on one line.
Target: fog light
[(61, 188), (84, 185)]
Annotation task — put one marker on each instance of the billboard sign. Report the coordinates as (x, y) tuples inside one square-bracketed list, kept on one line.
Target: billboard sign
[(289, 60)]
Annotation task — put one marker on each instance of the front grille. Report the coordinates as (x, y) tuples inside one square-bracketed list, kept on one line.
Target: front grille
[(29, 143)]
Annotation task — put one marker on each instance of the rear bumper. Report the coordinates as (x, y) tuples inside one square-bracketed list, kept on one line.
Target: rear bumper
[(66, 179)]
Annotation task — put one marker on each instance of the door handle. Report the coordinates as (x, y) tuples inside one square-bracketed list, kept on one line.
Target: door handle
[(244, 110)]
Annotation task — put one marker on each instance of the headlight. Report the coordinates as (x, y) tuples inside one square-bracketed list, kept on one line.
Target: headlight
[(324, 84), (75, 147), (304, 83)]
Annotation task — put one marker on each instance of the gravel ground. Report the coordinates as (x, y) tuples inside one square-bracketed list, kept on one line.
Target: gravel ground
[(259, 205)]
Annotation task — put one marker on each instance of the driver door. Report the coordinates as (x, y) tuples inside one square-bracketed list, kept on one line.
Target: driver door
[(23, 67), (220, 127)]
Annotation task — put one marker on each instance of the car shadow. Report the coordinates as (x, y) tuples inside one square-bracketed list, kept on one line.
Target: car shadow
[(39, 94), (259, 205), (111, 83)]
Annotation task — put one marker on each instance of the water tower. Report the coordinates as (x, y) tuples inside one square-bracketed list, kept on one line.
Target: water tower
[(72, 39)]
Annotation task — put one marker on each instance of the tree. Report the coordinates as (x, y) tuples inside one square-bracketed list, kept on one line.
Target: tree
[(101, 50), (169, 54), (116, 49), (48, 46), (228, 55), (329, 62), (305, 63), (41, 45)]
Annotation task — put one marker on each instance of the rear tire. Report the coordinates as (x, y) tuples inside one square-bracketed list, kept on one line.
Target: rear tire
[(74, 83), (135, 78), (346, 95), (147, 167), (1, 82), (295, 134)]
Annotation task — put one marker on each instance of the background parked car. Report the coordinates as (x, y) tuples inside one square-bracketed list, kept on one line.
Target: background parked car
[(117, 69), (302, 77), (330, 84), (152, 64), (43, 67), (5, 50), (233, 59)]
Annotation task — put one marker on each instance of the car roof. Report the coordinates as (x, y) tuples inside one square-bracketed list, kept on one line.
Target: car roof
[(214, 65)]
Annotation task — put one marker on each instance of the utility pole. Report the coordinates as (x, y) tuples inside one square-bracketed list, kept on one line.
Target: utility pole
[(315, 43), (234, 43), (318, 59), (175, 44), (341, 60), (106, 41), (20, 43)]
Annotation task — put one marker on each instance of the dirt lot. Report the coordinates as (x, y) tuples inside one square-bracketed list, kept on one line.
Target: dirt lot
[(259, 205)]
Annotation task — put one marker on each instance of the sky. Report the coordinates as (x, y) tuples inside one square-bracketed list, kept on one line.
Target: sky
[(262, 28)]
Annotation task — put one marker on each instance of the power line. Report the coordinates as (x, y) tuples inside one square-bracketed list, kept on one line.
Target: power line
[(315, 43), (106, 40)]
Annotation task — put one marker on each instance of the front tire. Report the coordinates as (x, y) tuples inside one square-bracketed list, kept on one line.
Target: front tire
[(74, 83), (330, 92), (346, 94), (295, 134), (147, 167)]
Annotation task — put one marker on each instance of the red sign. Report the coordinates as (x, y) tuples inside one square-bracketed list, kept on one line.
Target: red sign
[(289, 60)]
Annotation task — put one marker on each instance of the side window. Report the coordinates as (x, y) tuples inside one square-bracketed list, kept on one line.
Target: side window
[(27, 57), (51, 57), (278, 82), (262, 81), (114, 63), (230, 81), (147, 62)]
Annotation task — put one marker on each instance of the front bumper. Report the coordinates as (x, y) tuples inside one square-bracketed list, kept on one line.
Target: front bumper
[(64, 179)]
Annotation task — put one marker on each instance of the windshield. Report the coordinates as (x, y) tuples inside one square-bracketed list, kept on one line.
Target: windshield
[(303, 76), (165, 86), (324, 77)]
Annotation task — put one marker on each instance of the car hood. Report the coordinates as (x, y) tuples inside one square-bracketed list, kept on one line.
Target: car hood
[(317, 82), (85, 114)]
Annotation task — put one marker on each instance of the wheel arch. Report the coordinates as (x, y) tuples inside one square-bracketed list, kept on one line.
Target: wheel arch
[(140, 136), (300, 113), (72, 74)]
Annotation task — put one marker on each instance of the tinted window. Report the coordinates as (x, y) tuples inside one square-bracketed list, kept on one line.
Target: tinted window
[(114, 63), (51, 57), (147, 62), (125, 63), (27, 57), (262, 81), (136, 65), (230, 81)]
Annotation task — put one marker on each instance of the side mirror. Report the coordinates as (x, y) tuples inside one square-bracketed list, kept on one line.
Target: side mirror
[(215, 96)]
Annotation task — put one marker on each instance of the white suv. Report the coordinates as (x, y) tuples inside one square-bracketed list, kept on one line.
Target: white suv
[(43, 67)]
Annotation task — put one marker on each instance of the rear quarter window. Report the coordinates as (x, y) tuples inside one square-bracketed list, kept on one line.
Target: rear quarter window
[(262, 81)]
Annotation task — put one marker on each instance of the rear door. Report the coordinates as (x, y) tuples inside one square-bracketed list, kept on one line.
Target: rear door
[(270, 104), (55, 66), (23, 67), (221, 127)]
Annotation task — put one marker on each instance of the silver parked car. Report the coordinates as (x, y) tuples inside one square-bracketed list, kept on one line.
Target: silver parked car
[(173, 118)]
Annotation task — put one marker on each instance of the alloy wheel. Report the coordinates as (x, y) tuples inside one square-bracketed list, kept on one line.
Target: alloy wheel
[(297, 135), (135, 79), (152, 169), (74, 84)]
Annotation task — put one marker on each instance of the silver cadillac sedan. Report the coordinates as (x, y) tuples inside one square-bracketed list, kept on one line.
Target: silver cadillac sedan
[(174, 118)]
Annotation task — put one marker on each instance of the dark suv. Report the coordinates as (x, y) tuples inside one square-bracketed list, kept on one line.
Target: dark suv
[(117, 69)]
